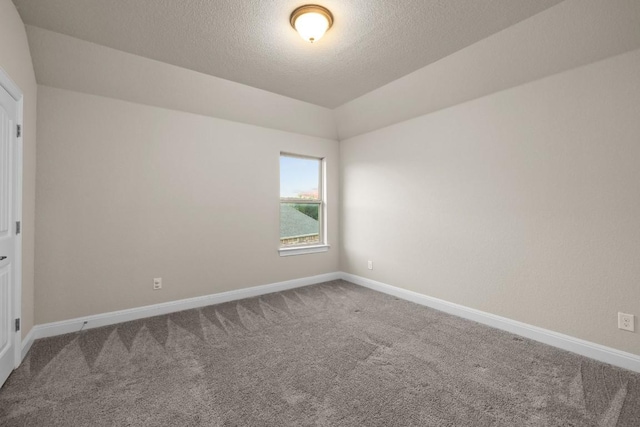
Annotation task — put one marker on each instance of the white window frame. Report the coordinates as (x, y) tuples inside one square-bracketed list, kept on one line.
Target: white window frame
[(309, 248)]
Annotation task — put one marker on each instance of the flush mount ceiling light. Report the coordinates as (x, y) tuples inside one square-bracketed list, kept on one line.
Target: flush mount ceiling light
[(311, 21)]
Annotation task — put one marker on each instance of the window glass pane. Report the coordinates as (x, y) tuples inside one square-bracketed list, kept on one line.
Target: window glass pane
[(299, 224), (299, 178)]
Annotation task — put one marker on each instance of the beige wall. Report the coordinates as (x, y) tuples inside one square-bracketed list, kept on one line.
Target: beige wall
[(15, 59), (69, 63), (524, 203), (570, 34), (128, 192)]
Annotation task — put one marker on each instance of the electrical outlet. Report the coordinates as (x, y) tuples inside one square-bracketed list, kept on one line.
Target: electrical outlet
[(157, 283), (626, 322), (370, 265)]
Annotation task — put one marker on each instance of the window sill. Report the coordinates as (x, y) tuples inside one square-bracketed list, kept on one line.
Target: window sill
[(303, 250)]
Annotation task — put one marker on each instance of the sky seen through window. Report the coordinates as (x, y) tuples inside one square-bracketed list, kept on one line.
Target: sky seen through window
[(299, 177)]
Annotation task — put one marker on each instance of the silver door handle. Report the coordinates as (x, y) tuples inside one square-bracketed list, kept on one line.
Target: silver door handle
[(2, 258)]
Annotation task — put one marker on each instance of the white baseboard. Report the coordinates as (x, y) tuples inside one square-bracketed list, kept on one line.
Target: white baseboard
[(27, 342), (565, 342), (555, 339), (105, 319)]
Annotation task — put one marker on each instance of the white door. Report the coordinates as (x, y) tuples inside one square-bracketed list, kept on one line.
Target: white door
[(8, 140)]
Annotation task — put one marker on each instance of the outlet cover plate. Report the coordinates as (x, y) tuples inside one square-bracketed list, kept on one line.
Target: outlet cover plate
[(626, 322)]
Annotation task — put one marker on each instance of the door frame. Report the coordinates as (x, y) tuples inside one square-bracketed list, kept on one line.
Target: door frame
[(14, 91)]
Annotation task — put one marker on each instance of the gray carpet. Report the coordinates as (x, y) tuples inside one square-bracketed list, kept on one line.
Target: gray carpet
[(333, 354)]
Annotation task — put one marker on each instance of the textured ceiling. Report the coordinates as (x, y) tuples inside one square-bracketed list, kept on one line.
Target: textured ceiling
[(372, 42)]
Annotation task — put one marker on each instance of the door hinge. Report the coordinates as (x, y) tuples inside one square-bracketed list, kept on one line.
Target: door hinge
[(17, 325), (18, 227), (19, 131)]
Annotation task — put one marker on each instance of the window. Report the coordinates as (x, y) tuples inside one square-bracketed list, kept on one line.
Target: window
[(302, 207)]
